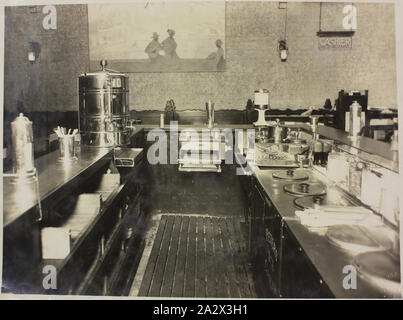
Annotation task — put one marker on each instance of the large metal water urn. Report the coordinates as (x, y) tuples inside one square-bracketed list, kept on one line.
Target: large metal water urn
[(104, 108)]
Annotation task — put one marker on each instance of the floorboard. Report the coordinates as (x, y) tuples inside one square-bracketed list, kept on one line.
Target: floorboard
[(198, 256)]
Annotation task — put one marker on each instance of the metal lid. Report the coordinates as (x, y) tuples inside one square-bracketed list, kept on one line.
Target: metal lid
[(313, 202), (290, 175), (22, 119), (104, 71), (305, 189), (262, 91)]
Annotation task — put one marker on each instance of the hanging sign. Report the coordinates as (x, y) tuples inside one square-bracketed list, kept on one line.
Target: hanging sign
[(335, 43)]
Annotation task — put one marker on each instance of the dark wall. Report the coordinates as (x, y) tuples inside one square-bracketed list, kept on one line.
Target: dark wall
[(49, 84), (253, 30)]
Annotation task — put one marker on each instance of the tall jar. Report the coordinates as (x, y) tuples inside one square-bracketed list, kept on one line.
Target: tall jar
[(22, 145), (355, 177), (355, 119)]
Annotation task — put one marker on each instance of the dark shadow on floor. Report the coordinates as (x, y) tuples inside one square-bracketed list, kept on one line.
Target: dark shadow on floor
[(207, 193)]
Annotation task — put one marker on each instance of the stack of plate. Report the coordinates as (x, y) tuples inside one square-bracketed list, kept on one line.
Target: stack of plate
[(290, 174), (305, 189), (315, 202)]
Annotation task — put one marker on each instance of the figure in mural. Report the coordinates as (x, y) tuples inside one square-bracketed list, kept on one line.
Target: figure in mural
[(166, 37), (218, 56), (169, 46), (153, 48)]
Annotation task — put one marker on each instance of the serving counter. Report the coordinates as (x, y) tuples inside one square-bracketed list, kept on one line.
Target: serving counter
[(53, 175), (289, 259), (87, 227), (308, 260)]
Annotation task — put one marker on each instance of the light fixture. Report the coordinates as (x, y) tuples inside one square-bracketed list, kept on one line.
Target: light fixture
[(33, 51), (282, 44), (283, 50)]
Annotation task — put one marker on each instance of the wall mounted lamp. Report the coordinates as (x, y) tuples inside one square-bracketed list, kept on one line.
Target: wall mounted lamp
[(33, 51), (283, 50)]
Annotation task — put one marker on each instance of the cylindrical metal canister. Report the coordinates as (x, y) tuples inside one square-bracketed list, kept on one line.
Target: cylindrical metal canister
[(279, 132), (22, 142), (104, 108), (66, 147), (355, 119)]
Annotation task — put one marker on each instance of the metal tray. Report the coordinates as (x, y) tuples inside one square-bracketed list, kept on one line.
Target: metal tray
[(127, 157)]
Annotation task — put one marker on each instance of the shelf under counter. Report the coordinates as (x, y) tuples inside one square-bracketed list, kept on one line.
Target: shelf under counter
[(52, 176), (80, 255), (97, 244), (61, 184)]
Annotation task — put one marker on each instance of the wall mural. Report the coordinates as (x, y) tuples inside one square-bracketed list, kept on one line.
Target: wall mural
[(158, 36)]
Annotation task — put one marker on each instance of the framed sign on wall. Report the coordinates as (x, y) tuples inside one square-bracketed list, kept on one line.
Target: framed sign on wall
[(337, 25), (151, 36)]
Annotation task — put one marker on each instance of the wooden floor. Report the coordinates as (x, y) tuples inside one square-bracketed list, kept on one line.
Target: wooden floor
[(198, 256)]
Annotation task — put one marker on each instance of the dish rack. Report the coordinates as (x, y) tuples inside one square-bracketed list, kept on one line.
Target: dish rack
[(200, 156)]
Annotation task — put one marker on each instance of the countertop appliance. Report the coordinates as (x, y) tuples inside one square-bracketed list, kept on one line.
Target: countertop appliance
[(343, 103), (261, 106), (104, 108), (274, 155), (282, 155), (200, 155)]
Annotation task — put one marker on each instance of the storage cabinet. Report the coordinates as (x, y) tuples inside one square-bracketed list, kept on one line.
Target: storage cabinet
[(281, 267), (299, 278), (246, 184), (21, 253), (273, 231), (105, 260), (265, 235)]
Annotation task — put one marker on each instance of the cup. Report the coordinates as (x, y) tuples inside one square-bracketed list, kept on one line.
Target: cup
[(66, 146)]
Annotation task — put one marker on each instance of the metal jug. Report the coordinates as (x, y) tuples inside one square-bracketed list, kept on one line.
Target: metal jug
[(22, 142)]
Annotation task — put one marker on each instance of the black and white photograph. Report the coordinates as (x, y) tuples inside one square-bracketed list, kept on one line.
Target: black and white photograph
[(186, 149)]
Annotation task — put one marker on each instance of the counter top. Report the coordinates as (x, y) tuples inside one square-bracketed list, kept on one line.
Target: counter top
[(369, 149), (328, 259), (196, 127), (18, 198)]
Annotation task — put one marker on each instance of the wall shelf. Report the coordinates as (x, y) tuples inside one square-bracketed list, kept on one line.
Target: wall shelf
[(348, 33)]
